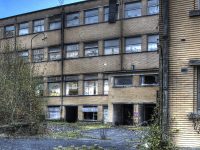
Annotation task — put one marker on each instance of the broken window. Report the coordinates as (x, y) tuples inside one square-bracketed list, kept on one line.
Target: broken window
[(55, 22), (111, 47), (91, 49), (54, 53), (153, 7), (38, 55), (149, 79), (90, 113), (91, 16), (24, 28), (123, 81), (133, 44), (54, 86), (73, 19), (53, 112), (9, 31), (72, 51), (133, 9), (153, 42), (38, 26)]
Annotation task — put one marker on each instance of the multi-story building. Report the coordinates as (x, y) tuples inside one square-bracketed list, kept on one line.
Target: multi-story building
[(98, 58), (179, 30)]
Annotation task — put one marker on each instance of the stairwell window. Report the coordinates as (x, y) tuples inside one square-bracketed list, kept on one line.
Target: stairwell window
[(153, 7), (24, 28), (153, 42), (9, 31), (91, 49), (38, 26), (72, 51), (91, 16), (73, 19), (133, 9), (111, 47), (133, 44)]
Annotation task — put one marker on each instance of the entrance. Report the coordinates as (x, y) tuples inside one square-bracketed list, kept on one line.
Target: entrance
[(71, 113), (148, 111), (123, 114)]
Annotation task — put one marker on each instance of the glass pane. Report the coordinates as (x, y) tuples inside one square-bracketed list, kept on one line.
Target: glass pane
[(123, 80), (106, 87), (10, 28), (72, 54), (153, 10), (132, 6), (91, 52), (55, 25), (111, 43), (23, 31), (74, 16), (23, 25), (90, 20), (73, 47), (91, 13), (71, 88), (38, 29), (133, 48), (72, 23), (55, 56), (90, 87), (133, 13), (111, 50), (132, 41), (39, 23), (54, 89)]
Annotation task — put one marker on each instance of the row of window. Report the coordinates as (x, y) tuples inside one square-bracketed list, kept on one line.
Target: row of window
[(90, 85), (111, 47), (131, 10)]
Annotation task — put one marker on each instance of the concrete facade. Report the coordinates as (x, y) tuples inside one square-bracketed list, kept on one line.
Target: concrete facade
[(135, 64)]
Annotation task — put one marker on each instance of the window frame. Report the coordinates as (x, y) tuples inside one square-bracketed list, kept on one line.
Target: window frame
[(105, 92), (113, 53), (55, 19), (7, 32), (107, 14), (43, 25), (137, 51), (142, 78), (22, 57), (148, 43), (96, 48), (42, 54), (90, 78), (126, 10), (150, 6), (54, 52), (122, 86), (23, 28), (91, 16), (94, 113), (77, 84), (66, 19), (48, 112), (72, 51)]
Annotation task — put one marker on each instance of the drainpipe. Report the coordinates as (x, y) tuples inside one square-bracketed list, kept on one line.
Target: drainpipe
[(121, 15), (62, 59), (165, 69)]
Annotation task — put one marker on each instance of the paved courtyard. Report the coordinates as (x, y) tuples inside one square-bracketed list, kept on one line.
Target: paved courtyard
[(116, 139)]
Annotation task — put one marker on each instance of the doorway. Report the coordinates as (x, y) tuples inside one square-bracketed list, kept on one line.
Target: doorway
[(71, 113)]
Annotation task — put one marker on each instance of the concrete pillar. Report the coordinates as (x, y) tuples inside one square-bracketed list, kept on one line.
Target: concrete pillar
[(136, 116), (100, 113), (80, 86), (144, 43), (110, 113), (63, 113), (136, 80), (1, 34), (45, 54), (81, 49), (80, 113), (45, 87), (101, 47), (46, 24), (30, 27), (101, 14), (144, 7), (82, 17), (100, 84)]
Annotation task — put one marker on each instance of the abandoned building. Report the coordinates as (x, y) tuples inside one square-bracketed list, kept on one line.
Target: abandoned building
[(98, 58), (179, 42)]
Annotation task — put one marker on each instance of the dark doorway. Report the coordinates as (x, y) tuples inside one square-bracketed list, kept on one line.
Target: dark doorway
[(123, 114), (148, 113), (71, 113)]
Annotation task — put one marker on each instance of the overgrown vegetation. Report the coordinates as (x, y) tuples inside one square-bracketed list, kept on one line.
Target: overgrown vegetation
[(20, 106), (152, 139)]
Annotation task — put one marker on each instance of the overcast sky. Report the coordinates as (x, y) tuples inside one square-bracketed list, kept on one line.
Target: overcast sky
[(15, 7)]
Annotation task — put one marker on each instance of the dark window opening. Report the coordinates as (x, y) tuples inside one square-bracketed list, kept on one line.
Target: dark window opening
[(149, 80), (123, 81), (90, 113)]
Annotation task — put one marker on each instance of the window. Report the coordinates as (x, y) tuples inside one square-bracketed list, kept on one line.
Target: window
[(91, 16), (105, 87), (91, 49), (38, 26), (54, 53), (54, 89), (38, 55), (9, 31), (40, 90), (149, 79), (90, 113), (73, 20), (133, 44), (53, 112), (111, 47), (153, 7), (91, 85), (72, 50), (153, 42), (23, 28), (24, 56), (133, 9), (55, 22), (123, 81), (106, 13), (72, 88)]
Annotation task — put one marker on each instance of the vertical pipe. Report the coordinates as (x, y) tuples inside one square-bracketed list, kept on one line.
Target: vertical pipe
[(121, 15)]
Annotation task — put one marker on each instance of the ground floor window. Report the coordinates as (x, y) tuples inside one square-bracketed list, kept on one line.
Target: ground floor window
[(90, 113), (53, 112)]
